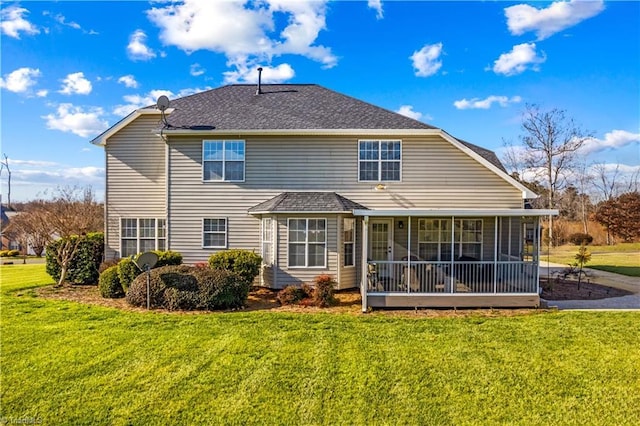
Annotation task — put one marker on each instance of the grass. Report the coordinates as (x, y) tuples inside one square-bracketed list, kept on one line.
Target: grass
[(69, 363), (621, 258)]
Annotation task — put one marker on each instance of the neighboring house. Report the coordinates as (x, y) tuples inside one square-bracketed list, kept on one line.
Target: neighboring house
[(6, 242), (317, 182)]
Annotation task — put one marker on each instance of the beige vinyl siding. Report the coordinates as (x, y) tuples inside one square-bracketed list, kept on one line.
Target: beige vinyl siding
[(435, 174), (135, 177)]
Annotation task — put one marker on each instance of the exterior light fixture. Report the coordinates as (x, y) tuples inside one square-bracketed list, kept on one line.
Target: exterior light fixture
[(380, 187)]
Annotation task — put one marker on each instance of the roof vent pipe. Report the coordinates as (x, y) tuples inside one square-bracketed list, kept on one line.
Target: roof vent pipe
[(259, 90)]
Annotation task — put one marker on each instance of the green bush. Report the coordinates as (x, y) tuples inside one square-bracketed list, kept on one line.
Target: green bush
[(243, 262), (168, 258), (13, 253), (109, 283), (108, 264), (323, 291), (4, 253), (579, 238), (182, 287), (127, 272), (86, 262)]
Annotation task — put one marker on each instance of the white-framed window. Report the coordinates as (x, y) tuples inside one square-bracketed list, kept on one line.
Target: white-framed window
[(349, 241), (379, 160), (267, 241), (307, 243), (214, 233), (139, 235), (223, 160), (434, 239)]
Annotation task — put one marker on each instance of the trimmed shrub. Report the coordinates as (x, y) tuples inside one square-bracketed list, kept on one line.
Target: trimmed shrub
[(293, 294), (109, 283), (13, 253), (168, 258), (127, 272), (185, 287), (83, 268), (4, 253), (245, 263), (323, 291), (580, 238), (107, 264)]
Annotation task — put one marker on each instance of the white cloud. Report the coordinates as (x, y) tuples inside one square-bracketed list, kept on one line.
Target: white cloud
[(426, 60), (69, 118), (245, 32), (137, 48), (612, 140), (129, 81), (12, 22), (545, 22), (134, 102), (407, 111), (20, 80), (42, 93), (521, 57), (63, 21), (76, 84), (196, 70), (247, 73), (486, 103), (377, 6)]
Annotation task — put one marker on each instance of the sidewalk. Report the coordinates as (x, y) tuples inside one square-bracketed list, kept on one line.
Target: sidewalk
[(601, 277)]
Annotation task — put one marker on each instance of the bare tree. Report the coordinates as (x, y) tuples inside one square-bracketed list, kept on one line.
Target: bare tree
[(5, 165), (72, 212), (606, 181), (27, 228), (583, 179), (552, 140)]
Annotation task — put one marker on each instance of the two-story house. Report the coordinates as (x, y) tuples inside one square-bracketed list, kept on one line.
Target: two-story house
[(317, 182)]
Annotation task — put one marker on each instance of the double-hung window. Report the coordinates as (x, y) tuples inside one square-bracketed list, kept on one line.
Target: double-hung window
[(267, 241), (223, 160), (348, 240), (379, 160), (307, 243), (139, 235), (214, 233)]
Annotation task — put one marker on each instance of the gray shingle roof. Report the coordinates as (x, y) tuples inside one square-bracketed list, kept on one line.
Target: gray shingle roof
[(307, 202), (283, 106), (488, 155)]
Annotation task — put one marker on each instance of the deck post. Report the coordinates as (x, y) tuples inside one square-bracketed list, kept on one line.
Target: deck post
[(495, 255), (365, 265), (408, 274)]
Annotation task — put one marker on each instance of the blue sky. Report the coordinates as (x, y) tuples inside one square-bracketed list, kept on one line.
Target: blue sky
[(71, 69)]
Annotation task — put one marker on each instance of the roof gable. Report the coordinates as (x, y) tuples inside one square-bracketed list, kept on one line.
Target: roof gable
[(318, 202)]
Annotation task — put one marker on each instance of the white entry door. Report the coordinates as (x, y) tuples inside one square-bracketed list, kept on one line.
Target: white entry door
[(381, 240)]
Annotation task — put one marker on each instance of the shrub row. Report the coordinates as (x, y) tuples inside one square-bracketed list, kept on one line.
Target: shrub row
[(188, 287), (9, 253), (580, 238), (320, 294), (85, 264)]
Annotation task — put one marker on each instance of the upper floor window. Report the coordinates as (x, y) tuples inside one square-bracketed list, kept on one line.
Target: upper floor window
[(223, 160), (379, 160), (139, 235)]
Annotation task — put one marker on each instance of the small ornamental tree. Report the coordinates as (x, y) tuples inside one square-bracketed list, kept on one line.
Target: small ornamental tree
[(582, 258)]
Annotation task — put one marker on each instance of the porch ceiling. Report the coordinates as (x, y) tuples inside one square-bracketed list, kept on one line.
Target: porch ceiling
[(457, 212)]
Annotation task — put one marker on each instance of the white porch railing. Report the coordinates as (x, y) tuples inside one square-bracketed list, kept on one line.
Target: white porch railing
[(513, 277)]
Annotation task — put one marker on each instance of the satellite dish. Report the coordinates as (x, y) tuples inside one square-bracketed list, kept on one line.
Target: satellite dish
[(146, 261), (163, 103)]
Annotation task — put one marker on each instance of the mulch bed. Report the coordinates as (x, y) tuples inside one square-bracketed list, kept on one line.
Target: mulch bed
[(562, 289)]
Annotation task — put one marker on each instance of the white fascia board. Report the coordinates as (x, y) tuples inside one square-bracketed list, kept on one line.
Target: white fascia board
[(300, 212), (101, 139), (457, 212)]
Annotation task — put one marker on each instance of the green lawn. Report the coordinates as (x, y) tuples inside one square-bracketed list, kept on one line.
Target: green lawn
[(621, 258), (69, 363)]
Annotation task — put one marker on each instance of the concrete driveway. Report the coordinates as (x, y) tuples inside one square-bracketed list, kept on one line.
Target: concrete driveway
[(601, 277)]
